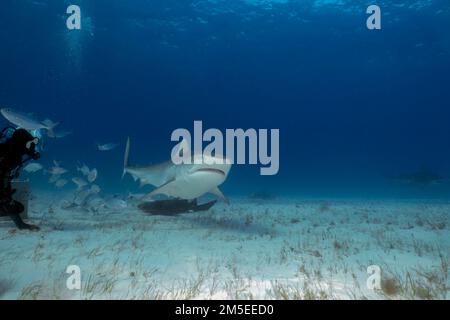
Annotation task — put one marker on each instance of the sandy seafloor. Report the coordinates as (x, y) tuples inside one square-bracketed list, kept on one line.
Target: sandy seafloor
[(250, 249)]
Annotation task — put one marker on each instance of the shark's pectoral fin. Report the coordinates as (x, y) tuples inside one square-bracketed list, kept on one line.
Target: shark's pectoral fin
[(163, 189), (143, 182), (220, 195)]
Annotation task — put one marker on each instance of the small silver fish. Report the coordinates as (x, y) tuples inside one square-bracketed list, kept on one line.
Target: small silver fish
[(92, 176), (33, 167), (107, 146), (94, 189), (116, 204), (61, 183), (81, 183), (53, 178), (84, 169), (56, 169)]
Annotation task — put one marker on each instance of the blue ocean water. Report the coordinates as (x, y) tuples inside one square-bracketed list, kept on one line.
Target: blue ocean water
[(354, 106)]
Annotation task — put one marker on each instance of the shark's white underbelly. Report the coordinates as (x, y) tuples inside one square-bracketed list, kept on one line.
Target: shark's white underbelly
[(193, 185)]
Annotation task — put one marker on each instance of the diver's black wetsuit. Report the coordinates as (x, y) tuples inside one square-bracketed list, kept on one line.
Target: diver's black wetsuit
[(11, 154)]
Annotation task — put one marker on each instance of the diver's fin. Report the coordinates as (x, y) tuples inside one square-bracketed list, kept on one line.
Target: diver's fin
[(125, 160), (220, 195)]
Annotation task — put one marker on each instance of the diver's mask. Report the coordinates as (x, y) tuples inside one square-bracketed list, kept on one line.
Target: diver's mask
[(31, 149)]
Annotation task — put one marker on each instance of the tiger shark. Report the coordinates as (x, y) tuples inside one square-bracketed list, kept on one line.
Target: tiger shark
[(182, 181)]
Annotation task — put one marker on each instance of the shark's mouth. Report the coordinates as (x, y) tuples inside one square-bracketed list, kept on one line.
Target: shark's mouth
[(212, 170)]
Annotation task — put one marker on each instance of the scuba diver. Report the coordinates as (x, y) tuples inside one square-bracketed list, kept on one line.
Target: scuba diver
[(12, 152)]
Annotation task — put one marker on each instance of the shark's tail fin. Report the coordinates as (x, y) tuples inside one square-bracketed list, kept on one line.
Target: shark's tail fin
[(50, 126), (125, 160)]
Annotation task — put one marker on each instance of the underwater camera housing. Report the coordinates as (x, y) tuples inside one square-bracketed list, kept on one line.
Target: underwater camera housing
[(22, 195)]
